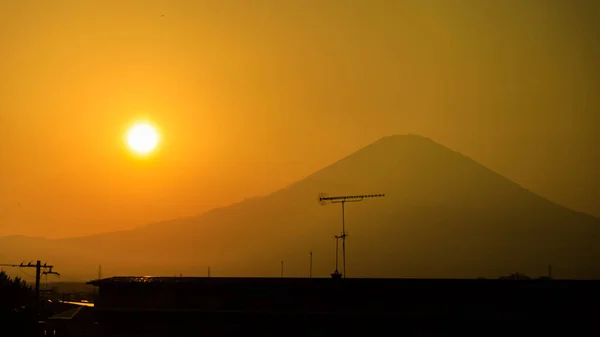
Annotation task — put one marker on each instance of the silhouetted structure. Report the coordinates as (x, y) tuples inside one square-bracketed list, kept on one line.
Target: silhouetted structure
[(368, 306), (40, 269), (343, 200), (516, 276)]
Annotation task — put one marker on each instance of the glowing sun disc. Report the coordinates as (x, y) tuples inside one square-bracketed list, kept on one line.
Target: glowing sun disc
[(142, 138)]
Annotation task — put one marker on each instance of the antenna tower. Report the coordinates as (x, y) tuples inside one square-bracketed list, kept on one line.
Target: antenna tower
[(343, 200)]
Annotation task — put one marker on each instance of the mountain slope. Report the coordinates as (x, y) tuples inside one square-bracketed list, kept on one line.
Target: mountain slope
[(444, 215)]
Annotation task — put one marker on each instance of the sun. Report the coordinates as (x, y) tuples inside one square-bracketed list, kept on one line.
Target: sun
[(142, 138)]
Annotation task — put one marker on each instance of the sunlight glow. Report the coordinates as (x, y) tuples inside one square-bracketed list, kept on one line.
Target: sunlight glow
[(142, 138)]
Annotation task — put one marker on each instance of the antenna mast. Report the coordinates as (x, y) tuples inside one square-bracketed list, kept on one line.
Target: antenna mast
[(342, 200)]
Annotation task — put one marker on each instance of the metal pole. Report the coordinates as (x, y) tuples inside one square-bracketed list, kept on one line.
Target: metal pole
[(342, 199), (38, 267), (337, 253), (343, 239), (310, 273)]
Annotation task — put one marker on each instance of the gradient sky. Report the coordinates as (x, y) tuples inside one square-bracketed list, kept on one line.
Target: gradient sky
[(250, 96)]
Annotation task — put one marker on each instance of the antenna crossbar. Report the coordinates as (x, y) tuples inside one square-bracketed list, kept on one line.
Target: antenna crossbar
[(349, 198)]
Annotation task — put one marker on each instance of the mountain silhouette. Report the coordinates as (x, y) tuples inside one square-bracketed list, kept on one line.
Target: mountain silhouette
[(443, 215)]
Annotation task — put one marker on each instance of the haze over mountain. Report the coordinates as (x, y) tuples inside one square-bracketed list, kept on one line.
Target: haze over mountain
[(444, 215)]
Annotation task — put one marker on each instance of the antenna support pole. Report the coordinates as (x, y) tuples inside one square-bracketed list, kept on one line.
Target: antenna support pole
[(342, 200), (310, 272)]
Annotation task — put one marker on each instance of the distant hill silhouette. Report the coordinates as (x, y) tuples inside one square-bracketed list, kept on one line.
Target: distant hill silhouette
[(444, 215)]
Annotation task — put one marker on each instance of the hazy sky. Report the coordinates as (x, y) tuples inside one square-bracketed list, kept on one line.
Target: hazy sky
[(250, 96)]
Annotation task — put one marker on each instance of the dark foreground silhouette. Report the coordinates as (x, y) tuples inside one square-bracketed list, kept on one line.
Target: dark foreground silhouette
[(139, 306)]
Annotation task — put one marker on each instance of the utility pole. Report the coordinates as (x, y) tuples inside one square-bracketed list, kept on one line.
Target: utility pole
[(209, 271), (282, 269), (39, 271), (38, 267), (343, 199)]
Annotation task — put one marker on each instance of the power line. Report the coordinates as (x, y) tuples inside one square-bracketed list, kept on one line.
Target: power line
[(40, 269), (22, 271)]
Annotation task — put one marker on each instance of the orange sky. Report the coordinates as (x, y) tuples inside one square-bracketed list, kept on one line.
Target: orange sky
[(251, 96)]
